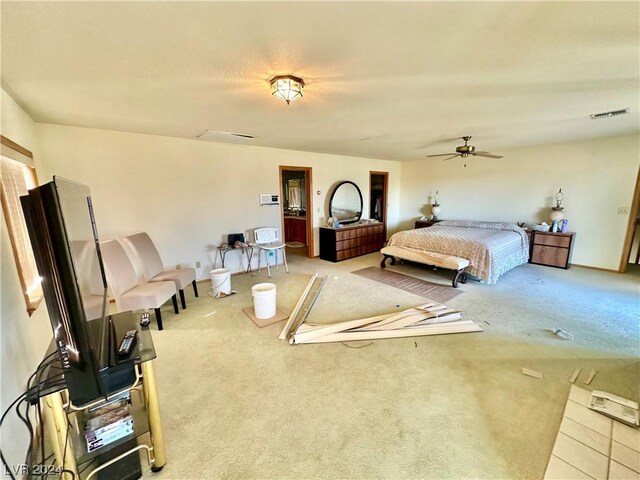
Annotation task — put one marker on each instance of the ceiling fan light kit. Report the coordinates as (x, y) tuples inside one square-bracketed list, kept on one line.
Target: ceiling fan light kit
[(287, 87)]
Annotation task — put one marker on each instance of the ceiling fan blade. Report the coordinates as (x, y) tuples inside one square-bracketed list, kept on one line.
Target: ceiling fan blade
[(487, 154), (440, 154), (453, 156)]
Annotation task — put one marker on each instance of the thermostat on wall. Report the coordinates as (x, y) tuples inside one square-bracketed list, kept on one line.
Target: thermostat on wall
[(269, 199)]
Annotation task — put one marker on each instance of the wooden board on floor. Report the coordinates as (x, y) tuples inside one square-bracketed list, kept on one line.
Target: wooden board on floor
[(263, 322)]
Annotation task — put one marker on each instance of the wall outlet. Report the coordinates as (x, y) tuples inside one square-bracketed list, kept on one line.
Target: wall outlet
[(198, 264), (623, 210), (178, 267)]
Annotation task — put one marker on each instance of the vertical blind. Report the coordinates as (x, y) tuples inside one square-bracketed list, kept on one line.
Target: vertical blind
[(15, 179)]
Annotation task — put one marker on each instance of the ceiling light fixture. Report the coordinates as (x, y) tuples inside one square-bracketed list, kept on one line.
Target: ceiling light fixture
[(287, 87)]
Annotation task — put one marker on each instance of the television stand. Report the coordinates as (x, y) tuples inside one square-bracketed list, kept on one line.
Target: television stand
[(65, 430)]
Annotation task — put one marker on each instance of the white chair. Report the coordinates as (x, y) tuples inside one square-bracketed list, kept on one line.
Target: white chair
[(129, 294), (152, 267), (267, 240)]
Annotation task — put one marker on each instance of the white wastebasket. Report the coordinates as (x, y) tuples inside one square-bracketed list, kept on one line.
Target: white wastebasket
[(220, 281), (264, 300)]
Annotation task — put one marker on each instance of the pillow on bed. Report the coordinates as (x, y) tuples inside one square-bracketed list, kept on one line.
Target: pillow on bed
[(480, 224)]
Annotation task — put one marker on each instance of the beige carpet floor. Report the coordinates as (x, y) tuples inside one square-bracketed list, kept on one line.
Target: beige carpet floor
[(238, 403)]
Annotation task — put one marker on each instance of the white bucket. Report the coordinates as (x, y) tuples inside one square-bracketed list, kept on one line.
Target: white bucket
[(264, 300), (220, 281)]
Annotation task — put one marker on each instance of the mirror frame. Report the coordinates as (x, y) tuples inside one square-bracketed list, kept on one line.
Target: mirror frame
[(359, 194)]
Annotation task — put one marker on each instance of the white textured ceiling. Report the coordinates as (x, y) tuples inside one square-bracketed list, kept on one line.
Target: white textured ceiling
[(389, 80)]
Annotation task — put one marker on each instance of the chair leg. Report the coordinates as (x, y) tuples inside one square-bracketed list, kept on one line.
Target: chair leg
[(182, 300), (267, 262), (284, 258), (259, 255), (174, 299), (195, 288), (158, 318)]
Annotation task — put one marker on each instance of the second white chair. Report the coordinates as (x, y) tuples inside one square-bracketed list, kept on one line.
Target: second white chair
[(268, 241), (129, 294), (154, 271)]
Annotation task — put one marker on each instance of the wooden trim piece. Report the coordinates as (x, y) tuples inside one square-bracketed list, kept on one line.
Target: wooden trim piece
[(18, 148), (591, 376), (284, 335), (463, 326), (631, 227), (575, 374), (532, 373)]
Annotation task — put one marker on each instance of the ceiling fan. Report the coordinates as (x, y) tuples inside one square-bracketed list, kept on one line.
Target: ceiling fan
[(465, 150)]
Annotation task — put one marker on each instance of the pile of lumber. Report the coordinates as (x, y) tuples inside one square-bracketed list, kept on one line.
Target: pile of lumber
[(428, 319)]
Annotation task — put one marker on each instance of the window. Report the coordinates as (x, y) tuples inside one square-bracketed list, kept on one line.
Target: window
[(17, 175)]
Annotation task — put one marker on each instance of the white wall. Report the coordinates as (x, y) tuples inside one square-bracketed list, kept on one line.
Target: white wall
[(596, 176), (189, 194), (23, 339)]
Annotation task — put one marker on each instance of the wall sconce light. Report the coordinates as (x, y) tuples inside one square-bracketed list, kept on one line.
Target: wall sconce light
[(287, 87)]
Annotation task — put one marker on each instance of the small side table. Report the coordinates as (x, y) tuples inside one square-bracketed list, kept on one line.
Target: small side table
[(222, 251)]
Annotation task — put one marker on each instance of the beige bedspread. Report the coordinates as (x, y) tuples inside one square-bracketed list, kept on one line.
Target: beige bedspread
[(492, 248)]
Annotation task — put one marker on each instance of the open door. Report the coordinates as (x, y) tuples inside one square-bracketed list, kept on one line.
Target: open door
[(631, 247), (296, 185), (378, 188)]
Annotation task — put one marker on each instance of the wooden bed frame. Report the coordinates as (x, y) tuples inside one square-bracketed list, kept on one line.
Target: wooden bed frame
[(459, 275)]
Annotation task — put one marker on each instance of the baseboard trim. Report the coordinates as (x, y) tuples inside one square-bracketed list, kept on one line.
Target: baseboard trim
[(595, 268)]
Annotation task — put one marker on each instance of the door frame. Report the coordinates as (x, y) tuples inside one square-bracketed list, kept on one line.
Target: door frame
[(385, 197), (631, 227), (309, 197)]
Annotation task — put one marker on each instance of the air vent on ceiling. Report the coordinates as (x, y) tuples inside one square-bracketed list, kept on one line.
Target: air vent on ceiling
[(613, 113), (225, 137)]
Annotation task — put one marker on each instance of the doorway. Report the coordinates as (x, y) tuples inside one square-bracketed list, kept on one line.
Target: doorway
[(631, 248), (296, 185), (378, 188)]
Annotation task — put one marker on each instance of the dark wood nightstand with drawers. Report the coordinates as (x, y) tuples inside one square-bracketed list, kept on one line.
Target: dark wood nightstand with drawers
[(425, 223), (552, 249)]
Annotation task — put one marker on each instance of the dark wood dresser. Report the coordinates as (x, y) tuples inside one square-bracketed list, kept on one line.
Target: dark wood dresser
[(551, 249), (337, 244)]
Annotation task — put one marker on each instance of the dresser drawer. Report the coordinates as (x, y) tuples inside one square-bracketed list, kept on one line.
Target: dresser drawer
[(563, 241), (551, 256)]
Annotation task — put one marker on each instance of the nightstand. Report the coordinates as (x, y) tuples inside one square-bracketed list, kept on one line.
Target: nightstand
[(551, 249), (425, 223)]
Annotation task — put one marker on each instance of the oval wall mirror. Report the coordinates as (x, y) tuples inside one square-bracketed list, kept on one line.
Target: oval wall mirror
[(346, 203)]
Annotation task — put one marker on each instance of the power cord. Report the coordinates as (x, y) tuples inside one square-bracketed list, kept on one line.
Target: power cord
[(25, 418)]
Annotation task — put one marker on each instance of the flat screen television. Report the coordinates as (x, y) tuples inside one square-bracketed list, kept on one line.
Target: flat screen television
[(63, 233)]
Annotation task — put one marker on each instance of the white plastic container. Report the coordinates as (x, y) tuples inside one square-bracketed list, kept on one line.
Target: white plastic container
[(264, 300), (220, 281)]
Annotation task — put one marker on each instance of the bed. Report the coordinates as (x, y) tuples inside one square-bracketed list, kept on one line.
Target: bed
[(492, 248)]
